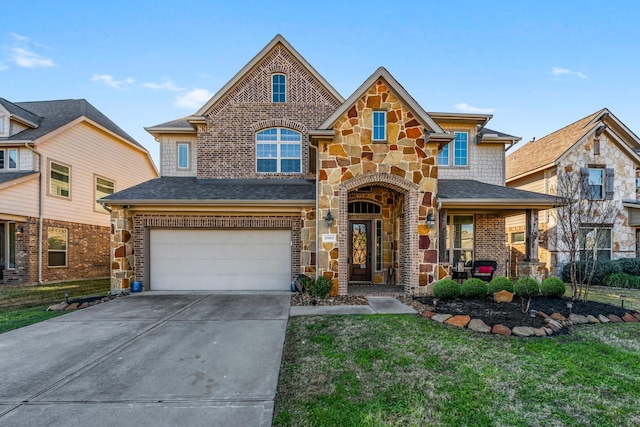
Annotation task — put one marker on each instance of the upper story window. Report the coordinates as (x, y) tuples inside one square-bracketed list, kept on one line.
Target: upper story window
[(103, 188), (379, 125), (278, 88), (9, 159), (278, 150), (183, 155), (458, 155), (596, 183), (59, 181)]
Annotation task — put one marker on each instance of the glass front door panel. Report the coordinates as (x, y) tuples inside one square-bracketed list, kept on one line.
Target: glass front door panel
[(360, 261), (359, 240)]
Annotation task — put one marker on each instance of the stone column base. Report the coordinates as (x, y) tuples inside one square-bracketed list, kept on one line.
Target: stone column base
[(537, 270)]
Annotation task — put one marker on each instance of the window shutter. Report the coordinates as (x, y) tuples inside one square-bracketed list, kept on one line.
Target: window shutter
[(608, 184), (584, 183)]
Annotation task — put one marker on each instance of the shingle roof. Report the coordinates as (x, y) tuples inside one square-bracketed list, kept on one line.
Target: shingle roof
[(476, 190), (546, 150), (55, 114), (20, 112), (487, 131), (178, 123), (191, 189), (10, 176)]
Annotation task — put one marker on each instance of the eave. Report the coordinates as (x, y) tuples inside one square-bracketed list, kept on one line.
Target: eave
[(477, 119)]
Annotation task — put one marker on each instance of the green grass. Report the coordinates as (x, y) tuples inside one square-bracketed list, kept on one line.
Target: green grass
[(406, 371), (612, 296), (24, 305)]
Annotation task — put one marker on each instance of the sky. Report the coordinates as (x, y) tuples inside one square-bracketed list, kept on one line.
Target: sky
[(537, 66)]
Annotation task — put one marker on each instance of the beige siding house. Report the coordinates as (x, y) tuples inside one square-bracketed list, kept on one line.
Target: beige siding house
[(278, 175), (56, 159), (605, 152)]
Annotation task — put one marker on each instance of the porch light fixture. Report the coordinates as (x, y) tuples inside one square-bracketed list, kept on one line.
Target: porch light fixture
[(431, 220), (19, 229), (329, 220), (570, 306), (622, 297)]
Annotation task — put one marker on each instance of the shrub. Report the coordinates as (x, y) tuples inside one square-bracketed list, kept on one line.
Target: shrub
[(499, 283), (473, 288), (602, 269), (319, 287), (552, 287), (631, 266), (634, 282), (527, 287), (618, 280), (446, 289)]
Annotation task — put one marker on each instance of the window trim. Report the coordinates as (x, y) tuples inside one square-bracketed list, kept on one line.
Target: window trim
[(284, 91), (278, 158), (2, 151), (183, 144), (384, 126), (518, 233), (17, 159), (449, 236), (58, 196), (66, 248), (450, 149), (595, 250), (97, 206), (9, 231)]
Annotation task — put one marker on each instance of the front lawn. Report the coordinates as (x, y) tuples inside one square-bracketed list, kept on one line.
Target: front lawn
[(402, 370), (24, 305)]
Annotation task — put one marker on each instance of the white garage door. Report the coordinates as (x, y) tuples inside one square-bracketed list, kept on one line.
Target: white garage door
[(220, 260)]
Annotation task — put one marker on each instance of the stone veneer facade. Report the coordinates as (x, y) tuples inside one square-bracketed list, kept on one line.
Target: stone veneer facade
[(403, 164)]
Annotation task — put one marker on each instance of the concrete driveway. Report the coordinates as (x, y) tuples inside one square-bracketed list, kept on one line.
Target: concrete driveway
[(148, 360)]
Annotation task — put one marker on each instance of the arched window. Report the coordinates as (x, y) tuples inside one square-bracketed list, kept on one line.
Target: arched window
[(363, 208), (278, 150), (278, 88)]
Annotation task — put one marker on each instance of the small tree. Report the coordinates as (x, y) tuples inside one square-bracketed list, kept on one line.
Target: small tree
[(582, 222)]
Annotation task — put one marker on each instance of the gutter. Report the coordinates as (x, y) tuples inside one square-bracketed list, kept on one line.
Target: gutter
[(40, 221), (215, 202)]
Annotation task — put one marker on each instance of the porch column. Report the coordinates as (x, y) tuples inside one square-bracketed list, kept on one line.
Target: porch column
[(531, 236)]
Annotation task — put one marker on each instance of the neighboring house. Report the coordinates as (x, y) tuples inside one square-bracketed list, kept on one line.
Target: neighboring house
[(277, 175), (605, 152), (56, 159)]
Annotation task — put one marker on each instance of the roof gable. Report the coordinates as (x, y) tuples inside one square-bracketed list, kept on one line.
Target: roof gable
[(399, 91), (20, 114), (277, 55)]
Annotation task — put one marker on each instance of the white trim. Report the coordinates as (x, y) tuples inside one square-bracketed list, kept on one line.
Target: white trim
[(98, 207), (183, 144), (278, 142), (49, 193), (384, 125), (66, 248), (273, 91)]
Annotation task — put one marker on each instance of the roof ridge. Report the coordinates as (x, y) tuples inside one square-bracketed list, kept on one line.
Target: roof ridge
[(592, 115)]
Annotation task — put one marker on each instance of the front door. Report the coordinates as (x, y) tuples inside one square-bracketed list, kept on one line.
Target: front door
[(360, 256)]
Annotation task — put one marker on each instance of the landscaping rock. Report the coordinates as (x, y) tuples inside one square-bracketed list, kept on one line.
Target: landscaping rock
[(543, 315), (636, 315), (603, 319), (503, 296), (83, 305), (501, 330), (628, 317), (592, 319), (522, 331), (441, 317), (615, 319), (428, 314), (539, 332), (459, 321), (479, 326), (72, 306), (554, 326), (58, 307), (548, 330), (578, 319), (558, 316)]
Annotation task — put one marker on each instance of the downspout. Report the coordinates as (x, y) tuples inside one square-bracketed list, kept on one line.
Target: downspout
[(26, 144)]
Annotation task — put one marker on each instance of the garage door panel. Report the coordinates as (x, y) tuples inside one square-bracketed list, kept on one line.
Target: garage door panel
[(220, 259)]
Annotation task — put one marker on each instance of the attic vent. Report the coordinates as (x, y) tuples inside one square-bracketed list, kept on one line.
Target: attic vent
[(596, 147)]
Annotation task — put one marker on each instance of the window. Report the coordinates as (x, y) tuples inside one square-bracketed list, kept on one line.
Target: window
[(596, 183), (12, 160), (517, 237), (363, 208), (460, 239), (278, 150), (379, 125), (1, 159), (595, 243), (57, 246), (104, 187), (378, 245), (278, 88), (59, 180), (8, 245), (459, 154), (183, 155)]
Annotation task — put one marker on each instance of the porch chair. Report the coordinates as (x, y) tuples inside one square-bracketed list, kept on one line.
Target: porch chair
[(484, 269)]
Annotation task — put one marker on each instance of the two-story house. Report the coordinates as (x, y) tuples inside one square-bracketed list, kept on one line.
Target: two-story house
[(56, 159), (278, 174), (605, 153)]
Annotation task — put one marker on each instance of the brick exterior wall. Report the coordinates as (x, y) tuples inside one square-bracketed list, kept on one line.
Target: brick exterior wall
[(490, 241)]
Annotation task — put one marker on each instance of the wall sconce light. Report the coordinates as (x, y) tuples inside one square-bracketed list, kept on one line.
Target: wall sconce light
[(19, 229), (329, 220), (431, 220)]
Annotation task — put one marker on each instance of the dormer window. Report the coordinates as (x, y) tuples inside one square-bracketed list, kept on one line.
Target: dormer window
[(278, 88), (379, 125), (278, 150)]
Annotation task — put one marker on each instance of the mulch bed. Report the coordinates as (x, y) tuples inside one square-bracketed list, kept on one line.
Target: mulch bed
[(303, 299), (511, 314)]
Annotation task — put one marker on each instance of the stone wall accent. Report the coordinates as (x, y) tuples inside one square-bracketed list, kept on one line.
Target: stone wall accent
[(226, 146), (403, 163), (490, 241), (308, 242), (122, 249)]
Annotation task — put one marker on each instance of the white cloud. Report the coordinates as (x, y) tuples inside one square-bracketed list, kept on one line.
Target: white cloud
[(110, 81), (556, 71), (466, 108), (23, 56), (166, 85), (193, 99)]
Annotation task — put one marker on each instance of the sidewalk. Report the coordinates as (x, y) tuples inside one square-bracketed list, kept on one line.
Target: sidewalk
[(377, 305)]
